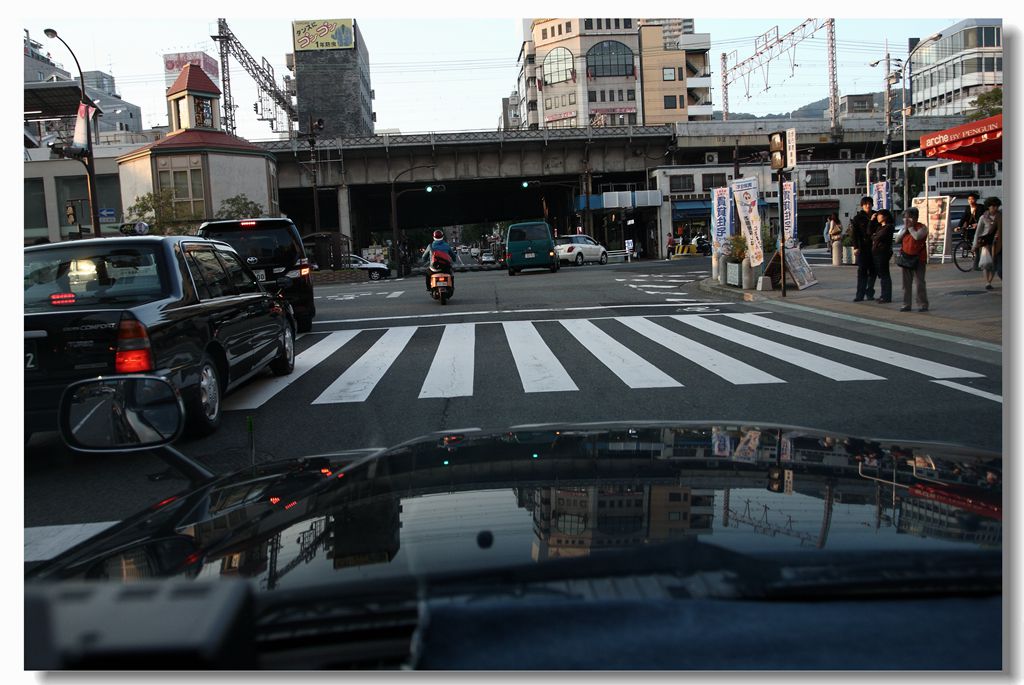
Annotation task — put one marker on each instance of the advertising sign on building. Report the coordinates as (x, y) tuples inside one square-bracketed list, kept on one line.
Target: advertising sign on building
[(745, 192), (880, 195), (789, 209), (560, 116), (746, 451), (791, 148), (936, 216), (323, 34), (721, 216), (174, 62)]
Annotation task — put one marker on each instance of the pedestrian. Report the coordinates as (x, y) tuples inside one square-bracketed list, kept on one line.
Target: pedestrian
[(990, 229), (668, 246), (913, 258), (881, 252), (862, 226), (834, 231), (969, 222)]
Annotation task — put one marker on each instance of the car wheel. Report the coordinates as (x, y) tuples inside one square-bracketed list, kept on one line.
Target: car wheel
[(204, 409), (285, 362), (511, 272), (304, 324), (604, 257), (375, 274), (579, 259)]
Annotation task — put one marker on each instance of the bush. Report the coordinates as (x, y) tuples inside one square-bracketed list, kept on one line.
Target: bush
[(734, 249)]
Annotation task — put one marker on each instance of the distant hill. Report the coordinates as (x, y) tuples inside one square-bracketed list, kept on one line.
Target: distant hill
[(814, 110)]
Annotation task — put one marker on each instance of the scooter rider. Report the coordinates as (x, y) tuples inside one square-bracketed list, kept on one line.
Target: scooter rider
[(439, 245)]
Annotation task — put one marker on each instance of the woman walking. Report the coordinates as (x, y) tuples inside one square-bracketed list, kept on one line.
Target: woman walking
[(913, 258), (881, 252), (990, 226)]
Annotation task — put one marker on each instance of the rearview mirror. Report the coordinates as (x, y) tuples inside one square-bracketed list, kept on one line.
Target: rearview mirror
[(121, 414)]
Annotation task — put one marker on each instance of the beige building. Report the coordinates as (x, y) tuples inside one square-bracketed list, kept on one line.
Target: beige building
[(578, 72), (200, 163), (671, 29), (676, 80)]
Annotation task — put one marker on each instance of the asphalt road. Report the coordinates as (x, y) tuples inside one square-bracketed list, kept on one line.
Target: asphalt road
[(385, 363)]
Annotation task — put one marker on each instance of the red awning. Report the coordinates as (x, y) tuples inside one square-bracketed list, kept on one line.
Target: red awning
[(978, 141)]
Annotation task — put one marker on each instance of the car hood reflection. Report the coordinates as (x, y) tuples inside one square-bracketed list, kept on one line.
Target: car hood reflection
[(463, 502)]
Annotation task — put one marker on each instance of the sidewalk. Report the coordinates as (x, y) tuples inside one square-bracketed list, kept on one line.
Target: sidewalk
[(958, 302)]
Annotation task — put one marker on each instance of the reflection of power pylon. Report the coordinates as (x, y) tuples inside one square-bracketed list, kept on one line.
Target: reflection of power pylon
[(765, 526), (309, 540)]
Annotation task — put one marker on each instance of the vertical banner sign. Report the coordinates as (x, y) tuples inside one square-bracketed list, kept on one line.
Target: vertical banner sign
[(880, 195), (84, 111), (722, 218), (936, 216), (789, 209), (791, 148), (746, 451), (745, 192), (721, 442)]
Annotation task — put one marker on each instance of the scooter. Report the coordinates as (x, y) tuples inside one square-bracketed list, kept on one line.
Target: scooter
[(442, 280), (703, 245)]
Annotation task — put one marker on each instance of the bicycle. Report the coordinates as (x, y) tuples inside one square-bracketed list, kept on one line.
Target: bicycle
[(963, 253)]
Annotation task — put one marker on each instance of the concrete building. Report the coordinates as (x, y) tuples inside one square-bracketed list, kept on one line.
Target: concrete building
[(333, 80), (672, 29), (510, 116), (675, 78), (946, 75), (118, 114)]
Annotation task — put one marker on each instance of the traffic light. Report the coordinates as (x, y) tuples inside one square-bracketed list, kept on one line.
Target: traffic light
[(319, 124), (527, 184), (435, 188), (776, 478), (68, 151), (777, 149)]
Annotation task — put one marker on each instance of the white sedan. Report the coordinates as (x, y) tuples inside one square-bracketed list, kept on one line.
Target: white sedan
[(375, 270), (576, 249)]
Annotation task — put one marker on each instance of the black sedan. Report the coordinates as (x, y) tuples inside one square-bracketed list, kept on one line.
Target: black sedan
[(181, 307)]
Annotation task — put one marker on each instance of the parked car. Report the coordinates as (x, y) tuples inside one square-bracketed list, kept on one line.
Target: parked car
[(577, 249), (375, 270), (272, 248), (182, 307), (529, 246)]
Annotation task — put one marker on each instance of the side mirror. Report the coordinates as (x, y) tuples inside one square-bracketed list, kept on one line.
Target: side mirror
[(121, 414)]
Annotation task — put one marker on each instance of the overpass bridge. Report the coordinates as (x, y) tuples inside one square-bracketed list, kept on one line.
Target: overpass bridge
[(483, 171)]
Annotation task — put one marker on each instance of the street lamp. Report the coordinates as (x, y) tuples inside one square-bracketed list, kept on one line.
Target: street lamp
[(88, 160), (394, 212), (903, 97)]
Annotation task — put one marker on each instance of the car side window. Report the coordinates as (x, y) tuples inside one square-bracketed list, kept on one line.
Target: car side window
[(212, 272), (243, 279), (197, 276)]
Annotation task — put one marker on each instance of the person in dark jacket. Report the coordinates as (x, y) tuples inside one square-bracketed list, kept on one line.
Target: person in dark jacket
[(862, 226), (881, 251), (969, 221)]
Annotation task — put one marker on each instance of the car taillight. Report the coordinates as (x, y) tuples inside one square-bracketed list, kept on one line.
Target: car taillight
[(134, 354), (57, 299), (303, 271), (247, 224), (508, 255)]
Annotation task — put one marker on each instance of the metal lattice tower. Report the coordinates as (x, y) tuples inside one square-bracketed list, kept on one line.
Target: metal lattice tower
[(770, 46), (263, 76)]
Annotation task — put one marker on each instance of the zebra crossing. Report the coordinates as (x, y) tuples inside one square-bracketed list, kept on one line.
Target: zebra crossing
[(539, 366)]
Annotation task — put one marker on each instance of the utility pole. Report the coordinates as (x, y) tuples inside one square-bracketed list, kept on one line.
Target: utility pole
[(888, 116)]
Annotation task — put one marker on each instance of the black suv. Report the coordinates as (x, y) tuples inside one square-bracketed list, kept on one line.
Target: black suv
[(271, 248), (181, 307)]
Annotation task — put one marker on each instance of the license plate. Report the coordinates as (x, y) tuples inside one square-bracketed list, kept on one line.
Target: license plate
[(529, 255), (261, 275), (31, 356)]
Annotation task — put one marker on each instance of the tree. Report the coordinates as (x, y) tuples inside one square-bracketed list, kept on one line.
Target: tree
[(239, 207), (988, 105), (163, 216)]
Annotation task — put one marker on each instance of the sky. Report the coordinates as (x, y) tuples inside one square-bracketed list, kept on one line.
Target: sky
[(450, 73)]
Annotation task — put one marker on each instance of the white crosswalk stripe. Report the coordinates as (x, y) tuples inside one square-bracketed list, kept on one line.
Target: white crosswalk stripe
[(356, 384), (538, 369), (631, 368), (904, 361), (714, 361), (452, 371), (819, 365)]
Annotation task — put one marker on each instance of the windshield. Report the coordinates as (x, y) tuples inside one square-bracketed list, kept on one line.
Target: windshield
[(266, 245), (92, 274)]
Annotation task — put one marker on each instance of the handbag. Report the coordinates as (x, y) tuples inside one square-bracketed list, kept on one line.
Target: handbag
[(907, 261), (986, 261)]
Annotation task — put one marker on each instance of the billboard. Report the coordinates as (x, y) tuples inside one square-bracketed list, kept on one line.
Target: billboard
[(745, 192), (936, 216), (323, 34), (174, 62)]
